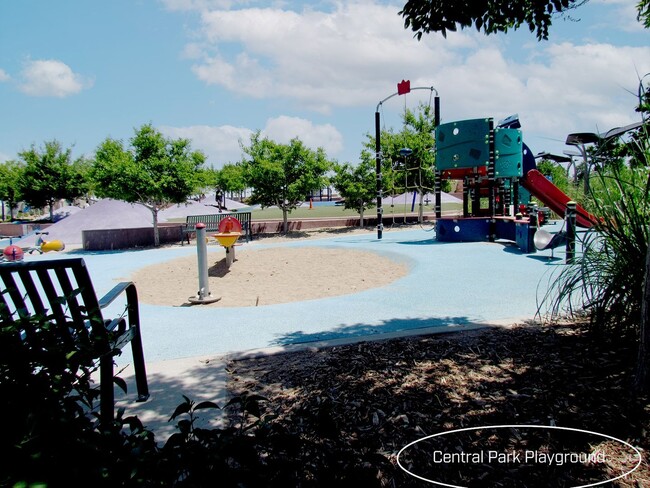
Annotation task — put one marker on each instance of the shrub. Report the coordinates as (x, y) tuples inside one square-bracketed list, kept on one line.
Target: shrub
[(607, 280), (52, 436)]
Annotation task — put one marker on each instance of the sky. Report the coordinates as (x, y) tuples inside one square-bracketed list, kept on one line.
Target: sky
[(215, 71)]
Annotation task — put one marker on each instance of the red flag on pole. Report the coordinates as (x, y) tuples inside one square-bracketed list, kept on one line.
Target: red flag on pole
[(404, 87)]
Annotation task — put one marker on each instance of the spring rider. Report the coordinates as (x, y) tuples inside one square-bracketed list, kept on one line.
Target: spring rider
[(229, 231)]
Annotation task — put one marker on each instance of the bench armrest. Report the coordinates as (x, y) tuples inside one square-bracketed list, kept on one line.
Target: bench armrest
[(116, 292)]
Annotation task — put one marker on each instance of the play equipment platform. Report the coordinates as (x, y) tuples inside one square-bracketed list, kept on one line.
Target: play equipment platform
[(499, 177)]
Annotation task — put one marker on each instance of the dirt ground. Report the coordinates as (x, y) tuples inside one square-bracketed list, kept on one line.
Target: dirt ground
[(270, 275), (347, 411)]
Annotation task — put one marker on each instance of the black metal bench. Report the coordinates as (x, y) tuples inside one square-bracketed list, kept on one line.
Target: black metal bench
[(61, 291), (212, 224)]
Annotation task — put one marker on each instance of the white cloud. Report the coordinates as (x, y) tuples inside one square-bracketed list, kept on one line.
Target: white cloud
[(204, 5), (51, 78), (4, 76), (220, 144), (584, 87), (282, 129), (353, 54), (320, 59), (623, 15)]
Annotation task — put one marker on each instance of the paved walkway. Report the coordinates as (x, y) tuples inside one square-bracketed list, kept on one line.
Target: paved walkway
[(450, 285)]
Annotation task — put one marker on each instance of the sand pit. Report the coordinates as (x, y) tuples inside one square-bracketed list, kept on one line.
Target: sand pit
[(268, 276)]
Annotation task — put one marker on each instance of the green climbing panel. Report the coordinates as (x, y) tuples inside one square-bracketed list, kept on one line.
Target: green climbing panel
[(507, 153), (463, 144)]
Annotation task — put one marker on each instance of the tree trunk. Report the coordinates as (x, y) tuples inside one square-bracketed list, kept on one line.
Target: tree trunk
[(361, 217), (285, 221), (642, 380), (156, 234)]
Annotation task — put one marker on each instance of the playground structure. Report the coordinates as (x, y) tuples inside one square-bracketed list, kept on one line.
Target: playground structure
[(499, 176), (403, 88), (230, 229)]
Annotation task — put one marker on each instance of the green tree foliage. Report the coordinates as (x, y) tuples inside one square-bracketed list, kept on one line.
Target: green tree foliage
[(50, 175), (357, 184), (425, 16), (230, 178), (643, 7), (153, 171), (10, 176), (206, 179), (556, 173), (283, 174)]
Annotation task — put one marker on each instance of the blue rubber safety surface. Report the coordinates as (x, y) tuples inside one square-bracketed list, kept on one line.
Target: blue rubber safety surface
[(447, 284)]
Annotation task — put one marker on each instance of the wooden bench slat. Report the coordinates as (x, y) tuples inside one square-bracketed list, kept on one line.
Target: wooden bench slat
[(67, 281), (12, 290), (54, 300), (69, 293), (31, 291)]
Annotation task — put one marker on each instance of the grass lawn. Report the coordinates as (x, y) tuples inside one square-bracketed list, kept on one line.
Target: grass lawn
[(338, 211)]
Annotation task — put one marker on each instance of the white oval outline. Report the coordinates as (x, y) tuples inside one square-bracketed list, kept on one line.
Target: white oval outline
[(485, 427)]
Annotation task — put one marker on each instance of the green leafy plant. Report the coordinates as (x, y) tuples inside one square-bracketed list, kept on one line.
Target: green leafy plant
[(52, 435), (607, 279)]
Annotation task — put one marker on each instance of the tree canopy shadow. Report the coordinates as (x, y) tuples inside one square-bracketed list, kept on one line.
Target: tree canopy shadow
[(364, 330)]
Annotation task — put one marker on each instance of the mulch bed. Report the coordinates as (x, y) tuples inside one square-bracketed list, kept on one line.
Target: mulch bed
[(339, 416)]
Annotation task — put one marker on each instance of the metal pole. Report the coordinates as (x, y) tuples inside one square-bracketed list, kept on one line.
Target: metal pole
[(436, 111), (380, 210), (230, 256), (570, 232), (203, 295)]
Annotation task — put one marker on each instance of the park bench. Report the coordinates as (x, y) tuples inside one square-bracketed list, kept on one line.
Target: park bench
[(61, 291), (212, 224)]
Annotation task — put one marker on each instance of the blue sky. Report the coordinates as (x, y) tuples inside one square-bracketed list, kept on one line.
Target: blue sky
[(79, 71)]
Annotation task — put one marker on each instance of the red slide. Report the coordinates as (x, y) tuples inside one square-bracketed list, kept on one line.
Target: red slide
[(554, 198)]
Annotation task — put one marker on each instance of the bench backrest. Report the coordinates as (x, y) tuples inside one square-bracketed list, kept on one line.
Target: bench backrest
[(212, 222), (216, 218), (59, 289)]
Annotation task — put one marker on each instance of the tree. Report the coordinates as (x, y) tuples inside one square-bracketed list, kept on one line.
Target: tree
[(425, 16), (230, 178), (643, 7), (206, 180), (492, 16), (556, 173), (50, 175), (10, 175), (282, 174), (357, 184), (154, 171)]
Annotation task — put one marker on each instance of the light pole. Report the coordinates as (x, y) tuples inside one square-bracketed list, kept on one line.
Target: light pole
[(579, 140), (572, 162)]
